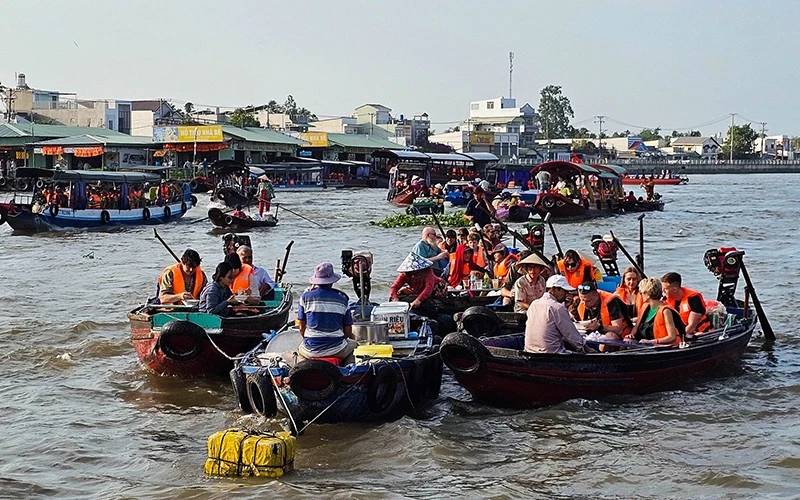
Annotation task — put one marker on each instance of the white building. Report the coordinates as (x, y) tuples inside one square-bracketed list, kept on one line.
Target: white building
[(501, 114), (706, 147), (774, 146), (502, 145)]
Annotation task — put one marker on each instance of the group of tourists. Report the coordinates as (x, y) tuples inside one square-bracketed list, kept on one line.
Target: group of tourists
[(236, 281), (104, 196)]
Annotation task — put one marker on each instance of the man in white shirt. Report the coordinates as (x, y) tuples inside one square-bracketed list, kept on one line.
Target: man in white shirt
[(263, 279), (549, 328)]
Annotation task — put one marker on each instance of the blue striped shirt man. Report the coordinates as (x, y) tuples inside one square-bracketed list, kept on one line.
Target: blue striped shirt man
[(324, 310)]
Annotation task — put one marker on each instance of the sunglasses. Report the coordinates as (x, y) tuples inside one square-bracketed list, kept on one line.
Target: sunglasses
[(570, 264), (586, 288)]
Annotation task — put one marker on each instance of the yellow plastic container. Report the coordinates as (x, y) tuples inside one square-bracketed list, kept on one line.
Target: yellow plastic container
[(237, 452), (375, 350)]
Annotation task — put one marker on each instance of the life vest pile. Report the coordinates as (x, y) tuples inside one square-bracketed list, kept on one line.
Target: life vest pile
[(241, 453)]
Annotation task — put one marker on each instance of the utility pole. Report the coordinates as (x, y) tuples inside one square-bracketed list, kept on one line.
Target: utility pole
[(730, 144), (763, 136), (600, 119), (510, 71)]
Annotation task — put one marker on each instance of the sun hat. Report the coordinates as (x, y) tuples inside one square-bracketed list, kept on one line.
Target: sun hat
[(533, 259), (558, 281), (438, 185), (414, 262), (500, 248), (324, 275)]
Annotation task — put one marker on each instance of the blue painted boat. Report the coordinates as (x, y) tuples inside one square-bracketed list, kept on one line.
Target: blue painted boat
[(458, 193), (47, 217)]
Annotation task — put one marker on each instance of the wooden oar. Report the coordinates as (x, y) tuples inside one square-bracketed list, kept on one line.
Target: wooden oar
[(641, 241), (439, 225), (553, 233), (285, 259), (302, 217), (631, 259), (769, 334), (155, 233)]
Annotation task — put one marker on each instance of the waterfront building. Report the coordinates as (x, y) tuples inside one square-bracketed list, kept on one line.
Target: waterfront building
[(775, 147), (501, 114), (705, 148), (376, 120), (343, 147)]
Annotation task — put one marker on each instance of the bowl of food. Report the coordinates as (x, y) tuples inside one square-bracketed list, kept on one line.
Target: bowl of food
[(583, 325), (241, 298), (191, 302)]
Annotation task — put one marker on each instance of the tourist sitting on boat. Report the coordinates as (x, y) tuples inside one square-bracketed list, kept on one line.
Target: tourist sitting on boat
[(549, 329), (689, 304), (463, 235), (657, 323), (324, 320), (239, 213), (217, 297), (543, 180), (531, 285), (429, 249), (245, 281), (182, 281), (263, 280), (502, 260), (478, 209), (628, 291), (417, 280), (490, 235), (462, 265), (514, 274), (606, 311), (450, 243), (479, 251), (631, 197), (578, 270)]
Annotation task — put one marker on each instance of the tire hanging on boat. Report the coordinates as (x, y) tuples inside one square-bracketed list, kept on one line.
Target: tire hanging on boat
[(315, 380), (105, 217), (53, 210), (189, 333), (3, 215), (549, 202), (228, 220), (417, 381), (480, 321), (23, 185), (259, 393), (239, 384), (434, 382), (463, 353), (382, 389), (145, 213), (39, 184), (167, 212), (194, 185), (184, 208), (194, 200)]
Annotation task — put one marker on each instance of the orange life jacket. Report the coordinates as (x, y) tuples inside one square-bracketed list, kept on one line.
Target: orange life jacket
[(659, 325), (179, 285), (638, 298), (242, 281), (605, 316), (94, 201), (165, 192), (584, 272), (684, 310), (502, 267)]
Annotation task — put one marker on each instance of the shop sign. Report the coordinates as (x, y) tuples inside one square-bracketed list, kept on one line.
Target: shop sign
[(200, 133), (315, 139), (481, 138)]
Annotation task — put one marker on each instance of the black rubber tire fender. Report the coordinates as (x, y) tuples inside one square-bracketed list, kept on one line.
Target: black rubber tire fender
[(549, 202), (105, 217), (3, 182), (458, 348), (3, 215), (53, 210), (514, 211), (145, 213), (434, 381), (416, 381), (184, 208), (228, 220), (194, 200), (382, 389), (167, 212), (39, 184), (23, 185), (194, 185), (260, 394), (304, 378), (480, 321), (239, 384), (179, 328)]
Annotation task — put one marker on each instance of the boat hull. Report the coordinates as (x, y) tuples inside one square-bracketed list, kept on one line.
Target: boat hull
[(66, 218), (225, 221), (629, 181), (510, 377), (238, 335)]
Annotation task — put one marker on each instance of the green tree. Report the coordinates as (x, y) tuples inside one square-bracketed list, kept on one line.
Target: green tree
[(555, 112), (274, 107), (795, 142), (741, 142), (241, 118), (186, 114), (583, 146), (650, 134), (691, 133), (578, 133)]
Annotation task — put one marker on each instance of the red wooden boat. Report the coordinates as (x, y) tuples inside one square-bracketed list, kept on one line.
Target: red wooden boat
[(178, 341), (671, 181)]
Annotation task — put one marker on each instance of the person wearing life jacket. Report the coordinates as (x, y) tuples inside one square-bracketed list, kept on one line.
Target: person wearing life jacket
[(606, 311), (163, 192), (658, 323), (462, 263), (95, 202), (577, 270), (245, 282), (182, 281), (474, 242), (628, 291), (502, 259), (689, 304), (239, 213)]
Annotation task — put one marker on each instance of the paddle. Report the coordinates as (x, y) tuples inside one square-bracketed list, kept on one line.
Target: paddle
[(640, 260), (439, 225), (631, 259), (285, 259), (521, 238), (302, 217), (155, 233), (553, 232), (769, 334)]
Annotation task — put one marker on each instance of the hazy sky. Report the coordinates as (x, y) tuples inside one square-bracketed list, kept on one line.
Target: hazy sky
[(673, 64)]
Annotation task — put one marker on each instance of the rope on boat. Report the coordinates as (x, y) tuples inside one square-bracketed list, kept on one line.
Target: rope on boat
[(405, 384), (337, 399), (234, 358), (275, 363)]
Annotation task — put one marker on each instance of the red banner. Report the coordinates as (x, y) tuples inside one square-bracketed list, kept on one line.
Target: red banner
[(89, 152), (52, 150)]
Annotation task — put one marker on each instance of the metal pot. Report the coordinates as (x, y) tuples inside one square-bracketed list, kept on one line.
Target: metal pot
[(371, 332)]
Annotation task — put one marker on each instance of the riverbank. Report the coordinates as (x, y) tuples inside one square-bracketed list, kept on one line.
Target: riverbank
[(735, 167)]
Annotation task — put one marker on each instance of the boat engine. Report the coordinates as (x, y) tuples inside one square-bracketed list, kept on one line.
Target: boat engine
[(605, 248), (231, 242), (359, 267), (726, 268), (536, 236)]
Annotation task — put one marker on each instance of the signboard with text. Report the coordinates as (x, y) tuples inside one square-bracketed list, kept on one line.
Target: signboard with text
[(188, 133), (315, 139), (481, 138)]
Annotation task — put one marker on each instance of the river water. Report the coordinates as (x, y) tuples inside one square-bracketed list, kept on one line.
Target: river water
[(82, 418)]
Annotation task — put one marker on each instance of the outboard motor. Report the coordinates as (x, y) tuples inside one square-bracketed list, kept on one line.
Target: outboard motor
[(536, 236), (359, 267), (605, 248), (726, 268), (231, 242)]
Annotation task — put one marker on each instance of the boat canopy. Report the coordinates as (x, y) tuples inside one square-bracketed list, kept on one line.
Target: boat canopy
[(561, 167), (437, 157), (616, 168), (151, 168), (448, 157), (223, 167), (400, 155), (104, 176), (31, 172), (481, 156)]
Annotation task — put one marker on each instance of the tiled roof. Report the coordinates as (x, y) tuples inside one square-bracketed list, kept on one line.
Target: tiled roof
[(256, 134), (99, 140), (362, 141), (52, 131)]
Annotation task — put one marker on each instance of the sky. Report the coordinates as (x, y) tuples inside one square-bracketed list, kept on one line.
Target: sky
[(640, 63)]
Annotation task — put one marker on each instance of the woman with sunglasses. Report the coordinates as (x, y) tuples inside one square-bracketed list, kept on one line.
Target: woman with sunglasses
[(217, 296), (578, 270), (628, 291)]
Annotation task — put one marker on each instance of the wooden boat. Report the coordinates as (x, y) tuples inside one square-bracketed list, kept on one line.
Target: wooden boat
[(201, 184), (669, 181), (223, 220), (405, 198), (373, 389), (179, 341), (458, 193), (514, 213), (36, 218)]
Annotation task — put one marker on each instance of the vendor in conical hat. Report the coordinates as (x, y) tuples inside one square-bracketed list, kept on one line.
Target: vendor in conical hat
[(416, 283), (531, 285)]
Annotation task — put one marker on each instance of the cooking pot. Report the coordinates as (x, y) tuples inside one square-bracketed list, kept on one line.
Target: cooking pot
[(371, 332)]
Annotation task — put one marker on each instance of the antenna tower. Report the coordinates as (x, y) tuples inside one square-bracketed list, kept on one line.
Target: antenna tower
[(510, 71)]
